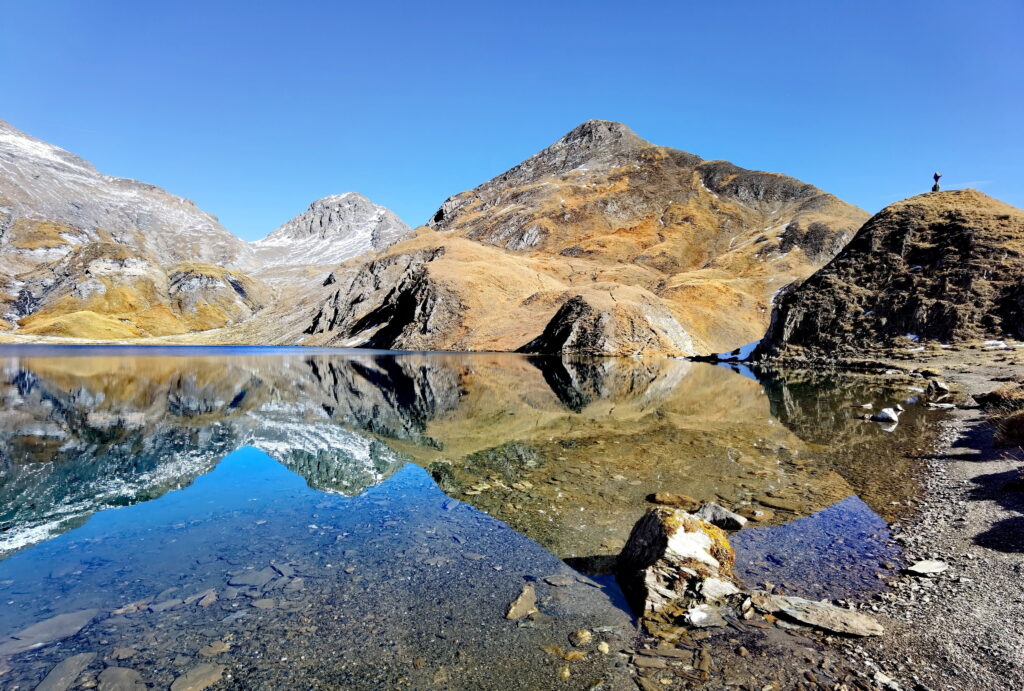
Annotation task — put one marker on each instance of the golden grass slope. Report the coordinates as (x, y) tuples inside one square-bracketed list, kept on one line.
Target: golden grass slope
[(108, 291)]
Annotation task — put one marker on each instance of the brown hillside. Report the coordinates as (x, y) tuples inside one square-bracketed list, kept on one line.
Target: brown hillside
[(669, 254), (943, 266)]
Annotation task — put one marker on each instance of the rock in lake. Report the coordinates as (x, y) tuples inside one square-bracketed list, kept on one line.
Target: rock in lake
[(524, 605), (669, 557), (681, 501), (581, 638), (46, 632), (199, 677), (721, 516), (887, 415), (64, 674), (121, 679)]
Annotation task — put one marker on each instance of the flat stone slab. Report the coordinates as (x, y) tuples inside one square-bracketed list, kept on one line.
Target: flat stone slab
[(121, 679), (64, 674), (820, 615), (927, 567), (198, 678), (47, 631)]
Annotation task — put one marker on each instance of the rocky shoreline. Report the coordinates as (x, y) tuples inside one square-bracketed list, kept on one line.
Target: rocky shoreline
[(949, 615)]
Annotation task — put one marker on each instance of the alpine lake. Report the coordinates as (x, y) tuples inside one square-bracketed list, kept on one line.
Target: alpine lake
[(317, 519)]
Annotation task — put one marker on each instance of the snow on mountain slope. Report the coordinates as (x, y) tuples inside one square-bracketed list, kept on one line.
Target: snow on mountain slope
[(333, 230), (40, 182)]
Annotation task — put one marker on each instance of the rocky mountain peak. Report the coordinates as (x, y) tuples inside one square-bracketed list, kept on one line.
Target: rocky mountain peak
[(593, 143), (330, 231), (601, 136)]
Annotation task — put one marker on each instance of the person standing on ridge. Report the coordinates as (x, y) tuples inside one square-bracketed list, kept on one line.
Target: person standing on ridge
[(935, 187)]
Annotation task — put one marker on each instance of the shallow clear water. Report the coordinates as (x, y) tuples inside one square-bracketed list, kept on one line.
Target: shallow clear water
[(364, 519)]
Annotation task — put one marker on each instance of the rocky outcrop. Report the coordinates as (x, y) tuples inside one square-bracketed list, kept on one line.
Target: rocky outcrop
[(105, 290), (633, 327), (645, 246), (333, 230), (944, 266), (389, 302)]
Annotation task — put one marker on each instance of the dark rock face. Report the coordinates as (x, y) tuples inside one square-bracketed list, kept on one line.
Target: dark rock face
[(945, 266), (390, 302)]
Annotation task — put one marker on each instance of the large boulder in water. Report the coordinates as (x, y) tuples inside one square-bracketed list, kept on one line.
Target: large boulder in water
[(675, 565), (944, 266)]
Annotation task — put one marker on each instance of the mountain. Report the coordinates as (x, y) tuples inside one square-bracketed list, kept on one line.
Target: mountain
[(602, 243), (88, 255), (52, 201), (943, 266), (333, 230)]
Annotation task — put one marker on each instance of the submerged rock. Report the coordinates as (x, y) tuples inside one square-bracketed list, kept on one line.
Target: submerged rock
[(121, 679), (721, 516), (524, 605), (64, 674), (199, 677), (681, 501), (47, 631)]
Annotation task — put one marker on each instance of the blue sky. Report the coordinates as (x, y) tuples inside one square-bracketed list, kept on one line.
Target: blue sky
[(256, 109)]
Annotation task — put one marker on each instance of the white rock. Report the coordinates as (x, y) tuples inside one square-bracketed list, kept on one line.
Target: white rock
[(888, 415), (927, 567)]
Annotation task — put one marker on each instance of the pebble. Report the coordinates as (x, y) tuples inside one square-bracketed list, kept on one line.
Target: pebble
[(214, 649), (581, 638)]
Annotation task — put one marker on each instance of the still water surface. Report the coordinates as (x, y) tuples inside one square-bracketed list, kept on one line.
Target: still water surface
[(300, 519)]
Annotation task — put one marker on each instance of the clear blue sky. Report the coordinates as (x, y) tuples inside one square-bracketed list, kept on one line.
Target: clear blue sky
[(254, 109)]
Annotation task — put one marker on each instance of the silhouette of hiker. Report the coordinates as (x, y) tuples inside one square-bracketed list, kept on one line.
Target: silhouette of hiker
[(935, 187)]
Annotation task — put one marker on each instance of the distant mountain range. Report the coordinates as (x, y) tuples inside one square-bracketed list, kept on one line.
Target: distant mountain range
[(87, 255), (602, 243)]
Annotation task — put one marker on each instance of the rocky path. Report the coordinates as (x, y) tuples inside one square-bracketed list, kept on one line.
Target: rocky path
[(962, 629), (957, 628)]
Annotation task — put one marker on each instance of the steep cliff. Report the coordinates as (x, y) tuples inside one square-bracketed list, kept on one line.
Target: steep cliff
[(943, 266)]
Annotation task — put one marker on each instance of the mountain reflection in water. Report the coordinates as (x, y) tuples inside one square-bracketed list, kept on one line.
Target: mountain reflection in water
[(362, 520), (563, 450)]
